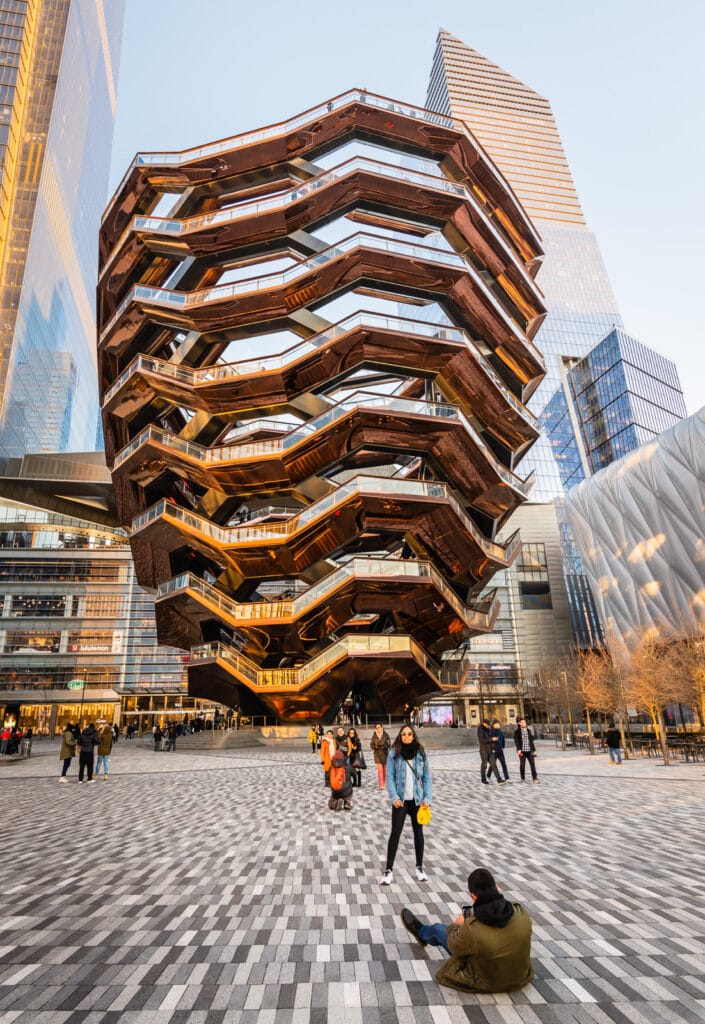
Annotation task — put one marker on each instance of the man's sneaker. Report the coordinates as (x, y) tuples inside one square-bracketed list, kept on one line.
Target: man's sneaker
[(62, 778), (387, 878), (105, 777), (412, 924), (80, 782), (421, 875), (500, 782), (537, 782), (509, 781)]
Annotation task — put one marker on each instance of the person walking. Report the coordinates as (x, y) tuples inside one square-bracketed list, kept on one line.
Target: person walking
[(409, 788), (484, 738), (312, 738), (613, 740), (526, 750), (68, 750), (157, 736), (380, 744), (172, 734), (497, 737), (88, 740), (489, 943), (105, 745), (355, 757)]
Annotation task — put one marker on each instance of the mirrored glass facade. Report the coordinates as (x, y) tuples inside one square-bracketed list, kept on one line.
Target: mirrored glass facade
[(59, 110), (616, 398)]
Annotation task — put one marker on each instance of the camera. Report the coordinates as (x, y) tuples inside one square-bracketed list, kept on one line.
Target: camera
[(468, 910)]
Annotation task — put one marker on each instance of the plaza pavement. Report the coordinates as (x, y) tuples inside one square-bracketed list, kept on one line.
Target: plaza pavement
[(215, 886)]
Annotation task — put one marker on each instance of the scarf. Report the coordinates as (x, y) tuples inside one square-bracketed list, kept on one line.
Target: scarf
[(409, 750)]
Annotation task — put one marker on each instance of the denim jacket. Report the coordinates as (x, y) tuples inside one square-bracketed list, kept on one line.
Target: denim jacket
[(396, 777)]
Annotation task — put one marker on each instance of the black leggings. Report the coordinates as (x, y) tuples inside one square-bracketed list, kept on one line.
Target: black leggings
[(398, 815)]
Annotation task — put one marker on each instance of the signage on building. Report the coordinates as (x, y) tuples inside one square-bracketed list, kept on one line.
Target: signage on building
[(75, 684)]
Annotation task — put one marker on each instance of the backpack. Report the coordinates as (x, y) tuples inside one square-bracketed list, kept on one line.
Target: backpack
[(337, 777)]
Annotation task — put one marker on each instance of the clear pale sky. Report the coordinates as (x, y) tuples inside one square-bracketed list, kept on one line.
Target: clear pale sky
[(625, 79)]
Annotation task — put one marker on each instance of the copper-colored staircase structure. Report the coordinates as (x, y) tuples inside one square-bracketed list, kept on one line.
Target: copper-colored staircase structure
[(320, 515)]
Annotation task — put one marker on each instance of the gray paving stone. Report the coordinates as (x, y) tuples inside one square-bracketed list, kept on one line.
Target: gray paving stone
[(216, 888)]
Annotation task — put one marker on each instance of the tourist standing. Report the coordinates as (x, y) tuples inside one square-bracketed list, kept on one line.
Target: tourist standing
[(312, 737), (68, 750), (340, 783), (484, 738), (526, 750), (614, 744), (105, 745), (157, 736), (88, 740), (409, 787), (380, 744), (328, 748), (355, 757), (497, 737)]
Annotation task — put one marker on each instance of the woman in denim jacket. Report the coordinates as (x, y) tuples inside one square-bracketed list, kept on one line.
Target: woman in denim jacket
[(409, 787)]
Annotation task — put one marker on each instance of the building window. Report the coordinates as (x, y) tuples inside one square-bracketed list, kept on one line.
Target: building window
[(25, 606), (32, 642), (533, 556), (535, 596)]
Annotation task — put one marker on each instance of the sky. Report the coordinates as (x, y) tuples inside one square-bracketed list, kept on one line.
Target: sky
[(625, 78)]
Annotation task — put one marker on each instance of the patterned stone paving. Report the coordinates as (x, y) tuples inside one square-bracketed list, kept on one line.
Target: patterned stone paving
[(209, 887)]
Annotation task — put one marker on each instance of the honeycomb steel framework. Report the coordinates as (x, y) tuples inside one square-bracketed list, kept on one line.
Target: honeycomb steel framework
[(320, 517)]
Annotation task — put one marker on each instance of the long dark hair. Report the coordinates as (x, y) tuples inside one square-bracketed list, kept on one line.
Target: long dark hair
[(397, 742), (354, 738)]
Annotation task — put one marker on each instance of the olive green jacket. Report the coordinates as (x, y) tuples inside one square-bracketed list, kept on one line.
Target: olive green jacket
[(68, 745), (488, 959)]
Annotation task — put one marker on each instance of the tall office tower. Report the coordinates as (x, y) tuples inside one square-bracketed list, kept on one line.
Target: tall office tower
[(516, 127), (58, 68), (316, 491)]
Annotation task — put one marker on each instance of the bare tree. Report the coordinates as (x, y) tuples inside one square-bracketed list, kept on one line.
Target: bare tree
[(649, 684)]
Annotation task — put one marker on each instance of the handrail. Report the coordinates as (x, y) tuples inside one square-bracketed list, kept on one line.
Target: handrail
[(297, 678), (246, 368), (165, 297), (377, 568), (173, 227), (359, 485), (281, 128), (302, 432)]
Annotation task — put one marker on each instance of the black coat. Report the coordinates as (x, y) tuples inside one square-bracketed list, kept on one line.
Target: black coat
[(517, 740), (613, 738), (484, 736)]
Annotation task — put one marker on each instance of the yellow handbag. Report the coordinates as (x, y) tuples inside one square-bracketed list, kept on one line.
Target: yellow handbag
[(423, 815)]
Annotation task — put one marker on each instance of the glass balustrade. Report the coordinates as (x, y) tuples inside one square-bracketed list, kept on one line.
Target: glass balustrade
[(295, 435), (349, 646), (247, 368), (283, 128), (357, 568), (235, 536)]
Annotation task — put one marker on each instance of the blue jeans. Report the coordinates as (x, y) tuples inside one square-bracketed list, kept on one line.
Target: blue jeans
[(102, 758), (615, 754), (435, 935), (499, 759)]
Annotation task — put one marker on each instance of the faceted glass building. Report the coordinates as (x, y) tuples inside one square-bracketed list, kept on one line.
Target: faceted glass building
[(58, 67), (616, 398), (314, 483)]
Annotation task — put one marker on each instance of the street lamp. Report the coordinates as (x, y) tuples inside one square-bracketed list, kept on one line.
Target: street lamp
[(564, 676)]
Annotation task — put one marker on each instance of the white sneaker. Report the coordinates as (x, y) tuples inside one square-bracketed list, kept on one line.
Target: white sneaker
[(62, 778), (387, 878), (421, 875)]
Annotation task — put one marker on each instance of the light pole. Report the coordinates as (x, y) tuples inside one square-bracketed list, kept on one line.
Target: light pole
[(564, 677)]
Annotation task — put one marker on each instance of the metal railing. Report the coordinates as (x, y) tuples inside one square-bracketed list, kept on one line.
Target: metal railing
[(298, 678), (164, 297), (360, 485), (302, 432), (267, 364), (357, 568)]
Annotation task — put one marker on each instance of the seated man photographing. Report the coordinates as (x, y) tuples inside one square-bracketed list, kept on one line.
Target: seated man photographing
[(489, 944)]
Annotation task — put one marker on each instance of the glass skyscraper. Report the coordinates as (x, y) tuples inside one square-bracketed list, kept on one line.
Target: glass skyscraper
[(617, 397), (515, 125), (58, 67)]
